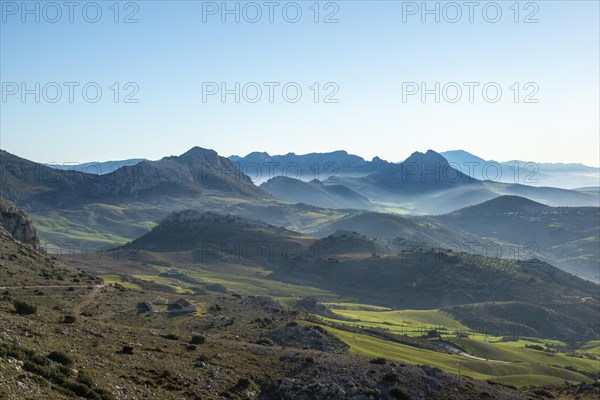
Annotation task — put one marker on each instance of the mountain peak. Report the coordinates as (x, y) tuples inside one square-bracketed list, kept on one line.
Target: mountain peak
[(196, 152), (429, 157)]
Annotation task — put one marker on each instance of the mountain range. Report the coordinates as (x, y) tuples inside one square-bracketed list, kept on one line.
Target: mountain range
[(565, 176), (261, 166), (112, 209)]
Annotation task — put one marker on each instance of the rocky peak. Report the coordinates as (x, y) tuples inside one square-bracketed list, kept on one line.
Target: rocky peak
[(429, 158), (199, 153), (18, 224)]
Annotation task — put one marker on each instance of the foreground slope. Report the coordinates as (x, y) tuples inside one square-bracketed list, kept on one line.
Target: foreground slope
[(78, 339)]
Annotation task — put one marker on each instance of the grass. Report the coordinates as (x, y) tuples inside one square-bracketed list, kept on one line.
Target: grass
[(164, 281), (396, 208), (63, 228), (119, 279), (245, 285), (592, 348), (356, 306)]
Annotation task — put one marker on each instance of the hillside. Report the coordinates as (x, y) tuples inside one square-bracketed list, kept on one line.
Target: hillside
[(569, 236), (409, 275), (214, 233)]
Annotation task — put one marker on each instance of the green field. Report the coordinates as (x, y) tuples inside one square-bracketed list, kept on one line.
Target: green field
[(408, 322), (505, 361)]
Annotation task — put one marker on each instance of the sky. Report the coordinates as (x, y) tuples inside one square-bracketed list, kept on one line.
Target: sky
[(150, 79)]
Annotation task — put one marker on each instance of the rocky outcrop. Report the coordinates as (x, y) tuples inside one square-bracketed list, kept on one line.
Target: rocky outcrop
[(308, 337), (18, 224)]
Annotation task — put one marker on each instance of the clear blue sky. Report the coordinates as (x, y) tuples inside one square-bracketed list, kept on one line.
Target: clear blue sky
[(368, 54)]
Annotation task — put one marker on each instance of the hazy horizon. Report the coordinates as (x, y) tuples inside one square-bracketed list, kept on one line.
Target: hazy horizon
[(367, 158)]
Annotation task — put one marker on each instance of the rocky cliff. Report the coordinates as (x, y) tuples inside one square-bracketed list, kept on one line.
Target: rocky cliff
[(18, 224)]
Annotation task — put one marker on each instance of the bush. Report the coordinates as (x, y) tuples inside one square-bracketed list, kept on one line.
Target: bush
[(23, 308), (265, 342), (378, 361), (69, 319), (216, 287), (534, 347), (198, 339), (398, 393), (243, 384), (170, 336), (126, 350), (60, 358), (390, 377)]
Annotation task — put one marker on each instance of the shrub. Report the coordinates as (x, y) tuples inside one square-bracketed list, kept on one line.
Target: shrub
[(243, 383), (390, 377), (126, 350), (265, 342), (534, 347), (398, 393), (69, 319), (378, 361), (198, 339), (60, 358), (170, 336), (23, 308)]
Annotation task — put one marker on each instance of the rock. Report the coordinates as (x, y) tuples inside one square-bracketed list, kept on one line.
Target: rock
[(18, 224), (286, 384)]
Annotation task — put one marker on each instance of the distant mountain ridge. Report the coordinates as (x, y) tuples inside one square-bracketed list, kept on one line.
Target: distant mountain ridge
[(560, 175), (262, 166), (316, 193), (97, 167)]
